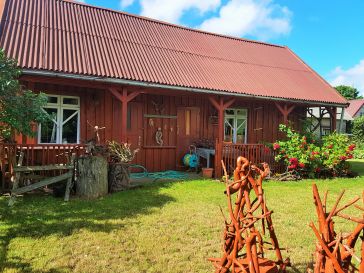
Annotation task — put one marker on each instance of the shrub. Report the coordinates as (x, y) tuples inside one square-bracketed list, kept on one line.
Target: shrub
[(359, 151), (358, 130), (312, 158)]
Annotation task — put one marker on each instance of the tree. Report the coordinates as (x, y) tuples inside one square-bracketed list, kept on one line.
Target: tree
[(19, 107), (348, 92)]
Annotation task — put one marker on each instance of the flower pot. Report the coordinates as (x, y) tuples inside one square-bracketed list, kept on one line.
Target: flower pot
[(207, 172)]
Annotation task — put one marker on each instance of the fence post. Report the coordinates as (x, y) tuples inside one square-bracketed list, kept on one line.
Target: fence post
[(218, 158)]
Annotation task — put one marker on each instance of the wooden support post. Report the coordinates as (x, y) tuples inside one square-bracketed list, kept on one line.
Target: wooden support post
[(220, 106), (69, 180), (16, 180), (341, 120), (285, 111), (333, 117), (124, 98)]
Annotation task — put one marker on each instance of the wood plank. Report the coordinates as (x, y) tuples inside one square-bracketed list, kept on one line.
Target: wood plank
[(42, 168), (42, 183)]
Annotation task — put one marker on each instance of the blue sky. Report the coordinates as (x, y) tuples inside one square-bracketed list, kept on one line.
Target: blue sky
[(326, 34)]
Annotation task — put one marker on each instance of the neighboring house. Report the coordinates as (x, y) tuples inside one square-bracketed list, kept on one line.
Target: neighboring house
[(324, 128), (141, 78), (356, 108)]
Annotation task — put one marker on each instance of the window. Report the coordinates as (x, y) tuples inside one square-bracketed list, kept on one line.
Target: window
[(63, 127), (235, 125)]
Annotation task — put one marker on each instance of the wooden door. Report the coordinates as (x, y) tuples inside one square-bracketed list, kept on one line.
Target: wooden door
[(188, 122)]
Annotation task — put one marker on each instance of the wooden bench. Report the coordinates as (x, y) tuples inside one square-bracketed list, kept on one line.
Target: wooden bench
[(19, 170)]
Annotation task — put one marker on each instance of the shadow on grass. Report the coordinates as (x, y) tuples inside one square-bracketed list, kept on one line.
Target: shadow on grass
[(358, 166), (37, 216)]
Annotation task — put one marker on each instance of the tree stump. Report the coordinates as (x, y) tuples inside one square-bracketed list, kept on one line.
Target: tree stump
[(119, 177), (92, 181)]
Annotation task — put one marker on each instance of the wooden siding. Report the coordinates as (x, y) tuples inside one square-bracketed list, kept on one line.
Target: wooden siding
[(99, 107)]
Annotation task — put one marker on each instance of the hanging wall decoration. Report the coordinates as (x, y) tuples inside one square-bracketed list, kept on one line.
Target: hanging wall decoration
[(151, 123), (159, 137)]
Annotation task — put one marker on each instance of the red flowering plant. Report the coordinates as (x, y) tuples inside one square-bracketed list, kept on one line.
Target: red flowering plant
[(311, 158), (298, 152), (336, 150)]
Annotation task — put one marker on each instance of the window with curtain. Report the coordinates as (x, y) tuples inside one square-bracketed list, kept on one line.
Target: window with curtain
[(63, 125)]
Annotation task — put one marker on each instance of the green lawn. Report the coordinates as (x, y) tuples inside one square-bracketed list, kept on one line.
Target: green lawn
[(161, 227)]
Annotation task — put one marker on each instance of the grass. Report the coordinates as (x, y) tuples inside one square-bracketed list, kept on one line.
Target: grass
[(357, 165), (160, 227)]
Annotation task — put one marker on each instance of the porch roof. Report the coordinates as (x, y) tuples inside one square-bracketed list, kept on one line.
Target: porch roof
[(73, 38)]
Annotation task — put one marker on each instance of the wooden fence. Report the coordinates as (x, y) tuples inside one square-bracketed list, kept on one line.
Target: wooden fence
[(34, 155), (256, 153)]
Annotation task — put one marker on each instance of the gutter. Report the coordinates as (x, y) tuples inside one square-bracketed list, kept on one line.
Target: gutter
[(62, 75)]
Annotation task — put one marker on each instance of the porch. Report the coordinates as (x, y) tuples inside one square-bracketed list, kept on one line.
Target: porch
[(233, 125), (39, 155)]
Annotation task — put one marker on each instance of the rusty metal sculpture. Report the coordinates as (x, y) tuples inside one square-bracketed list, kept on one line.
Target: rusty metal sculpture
[(243, 248), (334, 252)]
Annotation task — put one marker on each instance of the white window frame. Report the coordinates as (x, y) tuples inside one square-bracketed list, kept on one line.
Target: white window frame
[(60, 107), (236, 116)]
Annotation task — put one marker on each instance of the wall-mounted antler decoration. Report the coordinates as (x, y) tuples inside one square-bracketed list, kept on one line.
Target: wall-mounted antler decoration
[(158, 107)]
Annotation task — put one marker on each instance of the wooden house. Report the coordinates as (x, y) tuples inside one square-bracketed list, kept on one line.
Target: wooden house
[(141, 78)]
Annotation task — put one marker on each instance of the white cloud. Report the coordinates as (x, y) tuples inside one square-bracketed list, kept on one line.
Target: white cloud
[(126, 3), (260, 18), (353, 76), (172, 10)]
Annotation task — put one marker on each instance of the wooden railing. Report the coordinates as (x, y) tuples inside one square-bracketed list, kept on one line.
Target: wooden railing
[(34, 155), (256, 153)]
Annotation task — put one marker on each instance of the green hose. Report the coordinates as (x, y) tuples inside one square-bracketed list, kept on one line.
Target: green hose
[(157, 175)]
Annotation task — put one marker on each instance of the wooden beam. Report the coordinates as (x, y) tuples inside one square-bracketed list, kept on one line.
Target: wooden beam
[(214, 103), (124, 98), (220, 106), (285, 111)]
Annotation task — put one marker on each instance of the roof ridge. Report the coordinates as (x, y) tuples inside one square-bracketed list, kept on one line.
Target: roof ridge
[(173, 25)]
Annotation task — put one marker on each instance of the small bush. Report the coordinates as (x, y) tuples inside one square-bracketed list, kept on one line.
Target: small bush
[(358, 130), (312, 158), (359, 151)]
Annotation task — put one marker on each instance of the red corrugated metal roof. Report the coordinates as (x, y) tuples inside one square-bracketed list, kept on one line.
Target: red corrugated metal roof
[(69, 37), (354, 107)]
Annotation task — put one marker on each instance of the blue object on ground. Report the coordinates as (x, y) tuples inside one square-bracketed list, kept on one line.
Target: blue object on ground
[(157, 175)]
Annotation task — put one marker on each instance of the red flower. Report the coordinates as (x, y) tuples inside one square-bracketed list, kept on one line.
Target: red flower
[(276, 146), (317, 170), (301, 165), (330, 146), (343, 157), (266, 150), (350, 156), (292, 167), (293, 160), (352, 147)]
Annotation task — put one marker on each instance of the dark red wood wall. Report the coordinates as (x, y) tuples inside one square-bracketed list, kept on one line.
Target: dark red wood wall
[(99, 107)]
